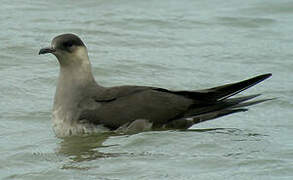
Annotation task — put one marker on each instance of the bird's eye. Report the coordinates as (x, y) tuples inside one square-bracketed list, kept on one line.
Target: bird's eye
[(68, 44)]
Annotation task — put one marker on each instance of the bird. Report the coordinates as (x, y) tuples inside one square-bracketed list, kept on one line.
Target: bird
[(82, 106)]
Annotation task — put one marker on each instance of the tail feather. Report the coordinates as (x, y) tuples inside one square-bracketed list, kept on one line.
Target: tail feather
[(252, 103), (220, 105), (229, 106), (216, 102)]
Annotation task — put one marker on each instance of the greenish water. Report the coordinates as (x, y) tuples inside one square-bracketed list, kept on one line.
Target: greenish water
[(172, 44)]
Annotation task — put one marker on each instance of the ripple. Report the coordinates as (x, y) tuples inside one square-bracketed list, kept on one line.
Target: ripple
[(245, 22)]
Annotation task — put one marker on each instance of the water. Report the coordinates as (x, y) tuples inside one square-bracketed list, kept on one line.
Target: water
[(172, 44)]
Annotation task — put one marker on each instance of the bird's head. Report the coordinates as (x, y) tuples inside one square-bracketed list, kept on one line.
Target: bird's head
[(68, 48)]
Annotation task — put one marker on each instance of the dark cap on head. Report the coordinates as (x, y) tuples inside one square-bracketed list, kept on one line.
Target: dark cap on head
[(67, 40), (63, 42)]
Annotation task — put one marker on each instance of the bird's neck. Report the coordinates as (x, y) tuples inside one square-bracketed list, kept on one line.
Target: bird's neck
[(74, 85), (76, 75), (74, 80)]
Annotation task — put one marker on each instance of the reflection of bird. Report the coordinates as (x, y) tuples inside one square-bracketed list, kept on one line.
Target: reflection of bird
[(84, 148), (83, 106)]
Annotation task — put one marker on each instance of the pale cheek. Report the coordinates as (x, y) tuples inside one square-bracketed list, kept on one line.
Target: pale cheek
[(80, 52)]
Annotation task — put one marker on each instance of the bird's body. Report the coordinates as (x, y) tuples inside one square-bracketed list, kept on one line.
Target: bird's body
[(83, 106)]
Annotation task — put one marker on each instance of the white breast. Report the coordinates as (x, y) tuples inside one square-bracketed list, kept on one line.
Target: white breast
[(64, 126)]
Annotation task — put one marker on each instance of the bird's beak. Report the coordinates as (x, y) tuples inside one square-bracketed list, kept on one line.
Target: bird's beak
[(47, 50)]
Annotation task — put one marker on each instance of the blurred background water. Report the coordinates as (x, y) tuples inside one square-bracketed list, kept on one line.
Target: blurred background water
[(172, 44)]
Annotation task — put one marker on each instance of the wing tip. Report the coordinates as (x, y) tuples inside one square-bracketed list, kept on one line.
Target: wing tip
[(265, 76)]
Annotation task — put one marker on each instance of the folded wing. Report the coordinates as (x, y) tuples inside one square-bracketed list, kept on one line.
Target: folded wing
[(165, 108)]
